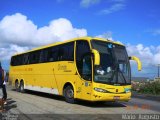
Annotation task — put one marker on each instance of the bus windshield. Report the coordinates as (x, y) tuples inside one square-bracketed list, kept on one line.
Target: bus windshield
[(114, 65)]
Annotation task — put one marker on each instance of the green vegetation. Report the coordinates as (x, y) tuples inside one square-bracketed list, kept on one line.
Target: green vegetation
[(147, 87)]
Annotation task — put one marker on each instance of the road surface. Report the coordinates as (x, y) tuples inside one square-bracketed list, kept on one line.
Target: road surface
[(32, 105)]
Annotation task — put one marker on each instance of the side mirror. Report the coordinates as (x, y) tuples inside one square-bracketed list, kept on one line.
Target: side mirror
[(139, 64), (96, 57)]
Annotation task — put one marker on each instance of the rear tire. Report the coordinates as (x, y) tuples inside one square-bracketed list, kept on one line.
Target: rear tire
[(69, 94), (21, 87), (17, 86)]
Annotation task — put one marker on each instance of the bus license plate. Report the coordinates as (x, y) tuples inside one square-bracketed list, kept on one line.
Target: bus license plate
[(116, 97)]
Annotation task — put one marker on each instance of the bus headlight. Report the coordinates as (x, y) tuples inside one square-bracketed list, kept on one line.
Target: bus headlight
[(100, 90)]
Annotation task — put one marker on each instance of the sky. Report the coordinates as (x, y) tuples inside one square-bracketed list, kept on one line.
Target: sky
[(26, 24)]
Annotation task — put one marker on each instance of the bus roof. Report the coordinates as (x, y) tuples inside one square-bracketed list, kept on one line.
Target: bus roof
[(75, 39)]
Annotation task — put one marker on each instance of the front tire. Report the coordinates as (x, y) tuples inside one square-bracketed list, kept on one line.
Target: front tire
[(69, 94)]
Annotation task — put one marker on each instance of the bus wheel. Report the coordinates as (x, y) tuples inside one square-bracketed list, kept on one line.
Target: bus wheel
[(17, 86), (69, 94), (21, 87)]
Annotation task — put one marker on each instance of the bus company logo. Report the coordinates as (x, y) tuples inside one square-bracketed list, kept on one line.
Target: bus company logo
[(62, 67), (23, 69)]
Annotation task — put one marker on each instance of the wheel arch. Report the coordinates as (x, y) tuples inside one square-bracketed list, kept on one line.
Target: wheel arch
[(22, 80), (16, 80)]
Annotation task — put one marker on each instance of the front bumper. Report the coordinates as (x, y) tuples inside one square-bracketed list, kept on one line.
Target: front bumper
[(98, 96)]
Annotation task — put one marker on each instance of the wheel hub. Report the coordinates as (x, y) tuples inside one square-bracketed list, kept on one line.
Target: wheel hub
[(70, 93)]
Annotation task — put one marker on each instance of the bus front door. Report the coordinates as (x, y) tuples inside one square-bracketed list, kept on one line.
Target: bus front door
[(86, 77)]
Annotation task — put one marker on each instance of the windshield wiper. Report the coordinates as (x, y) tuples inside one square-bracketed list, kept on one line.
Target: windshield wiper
[(116, 71), (122, 76)]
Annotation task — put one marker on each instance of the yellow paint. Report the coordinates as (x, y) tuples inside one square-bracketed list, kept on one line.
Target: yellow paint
[(96, 57), (57, 74), (139, 64)]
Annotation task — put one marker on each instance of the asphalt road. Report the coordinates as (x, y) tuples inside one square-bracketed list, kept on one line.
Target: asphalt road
[(35, 105)]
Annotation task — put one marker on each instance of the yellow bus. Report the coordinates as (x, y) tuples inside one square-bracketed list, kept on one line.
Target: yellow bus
[(92, 69)]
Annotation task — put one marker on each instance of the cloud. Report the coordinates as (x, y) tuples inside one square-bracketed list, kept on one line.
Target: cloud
[(116, 5), (88, 3), (113, 8), (7, 51), (18, 33), (106, 35), (150, 55), (17, 29), (58, 30), (144, 53), (155, 32)]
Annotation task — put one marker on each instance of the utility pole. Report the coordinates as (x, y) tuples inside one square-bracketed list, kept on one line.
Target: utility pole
[(158, 69)]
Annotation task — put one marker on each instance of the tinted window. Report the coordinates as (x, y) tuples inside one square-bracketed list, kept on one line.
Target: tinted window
[(52, 54), (13, 61), (66, 52), (34, 57), (17, 60), (20, 59), (114, 65), (43, 55), (25, 59), (87, 67), (82, 49)]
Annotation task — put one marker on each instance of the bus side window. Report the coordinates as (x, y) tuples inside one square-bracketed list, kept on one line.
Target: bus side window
[(61, 53), (69, 51), (55, 53), (52, 54), (34, 57), (25, 59), (13, 61), (66, 52), (19, 60), (43, 55)]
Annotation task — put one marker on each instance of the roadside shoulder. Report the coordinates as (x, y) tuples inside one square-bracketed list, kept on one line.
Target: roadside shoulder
[(146, 96)]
